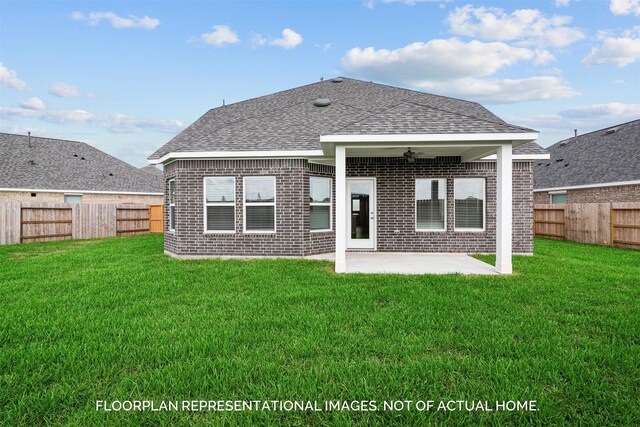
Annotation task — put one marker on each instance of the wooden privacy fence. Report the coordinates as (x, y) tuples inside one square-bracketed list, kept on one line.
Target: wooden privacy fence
[(610, 224), (43, 222)]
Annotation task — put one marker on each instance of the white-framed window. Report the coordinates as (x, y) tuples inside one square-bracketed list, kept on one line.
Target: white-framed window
[(70, 198), (259, 197), (172, 204), (320, 203), (469, 211), (431, 204), (558, 198), (220, 204)]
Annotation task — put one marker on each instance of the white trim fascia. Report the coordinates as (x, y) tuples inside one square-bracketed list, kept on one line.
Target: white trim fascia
[(41, 190), (578, 187), (432, 137), (521, 157), (275, 154)]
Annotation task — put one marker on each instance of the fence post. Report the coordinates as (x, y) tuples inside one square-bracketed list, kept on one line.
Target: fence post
[(611, 224)]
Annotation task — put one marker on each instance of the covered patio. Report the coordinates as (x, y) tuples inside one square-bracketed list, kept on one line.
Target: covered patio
[(496, 147), (410, 263)]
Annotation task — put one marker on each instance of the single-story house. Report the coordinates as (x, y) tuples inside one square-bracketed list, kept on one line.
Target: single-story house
[(597, 167), (347, 165), (38, 169)]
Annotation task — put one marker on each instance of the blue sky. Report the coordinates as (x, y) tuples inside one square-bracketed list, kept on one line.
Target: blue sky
[(126, 76)]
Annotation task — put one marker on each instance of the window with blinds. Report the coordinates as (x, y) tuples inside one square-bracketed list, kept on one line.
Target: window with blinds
[(320, 203), (220, 204), (260, 204), (469, 195), (172, 204), (431, 204)]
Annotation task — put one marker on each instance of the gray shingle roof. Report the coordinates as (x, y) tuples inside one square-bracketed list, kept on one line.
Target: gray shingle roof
[(593, 158), (68, 165), (153, 171), (288, 120)]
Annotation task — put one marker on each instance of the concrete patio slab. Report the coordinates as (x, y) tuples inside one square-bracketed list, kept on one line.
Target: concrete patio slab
[(411, 263)]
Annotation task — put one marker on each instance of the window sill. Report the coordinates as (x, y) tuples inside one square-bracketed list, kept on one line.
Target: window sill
[(441, 230), (219, 232), (469, 230), (259, 232), (328, 230)]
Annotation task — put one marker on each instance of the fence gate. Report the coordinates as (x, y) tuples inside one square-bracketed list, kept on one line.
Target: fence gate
[(156, 218)]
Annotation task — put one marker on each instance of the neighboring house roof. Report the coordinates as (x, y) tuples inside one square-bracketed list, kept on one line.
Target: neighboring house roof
[(153, 171), (289, 120), (56, 164), (609, 155)]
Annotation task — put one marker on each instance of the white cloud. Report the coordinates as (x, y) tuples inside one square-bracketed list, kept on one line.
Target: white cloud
[(625, 7), (220, 36), (115, 123), (503, 91), (529, 27), (10, 79), (562, 3), (131, 21), (324, 47), (64, 90), (618, 51), (435, 60), (611, 110), (289, 39), (33, 104), (584, 118)]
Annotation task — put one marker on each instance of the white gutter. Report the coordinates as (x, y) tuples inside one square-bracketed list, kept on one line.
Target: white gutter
[(432, 137), (274, 154), (41, 190), (578, 187)]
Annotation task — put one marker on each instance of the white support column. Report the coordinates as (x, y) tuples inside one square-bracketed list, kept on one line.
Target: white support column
[(341, 209), (504, 209)]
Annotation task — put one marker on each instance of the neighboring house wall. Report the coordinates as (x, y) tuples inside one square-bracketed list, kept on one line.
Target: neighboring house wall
[(22, 196), (615, 194), (395, 211)]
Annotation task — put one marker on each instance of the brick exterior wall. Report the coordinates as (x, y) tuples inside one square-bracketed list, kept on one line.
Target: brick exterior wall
[(395, 180), (23, 196), (395, 211), (616, 194)]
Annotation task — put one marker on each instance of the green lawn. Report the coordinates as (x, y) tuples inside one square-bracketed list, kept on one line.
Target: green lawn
[(115, 319)]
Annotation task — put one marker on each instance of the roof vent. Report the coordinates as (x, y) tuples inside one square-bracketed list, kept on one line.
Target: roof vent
[(32, 162), (337, 80), (81, 158), (110, 174), (322, 102), (559, 160), (610, 131), (75, 155)]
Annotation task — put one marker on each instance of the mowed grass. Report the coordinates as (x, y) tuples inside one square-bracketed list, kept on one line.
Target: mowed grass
[(115, 319)]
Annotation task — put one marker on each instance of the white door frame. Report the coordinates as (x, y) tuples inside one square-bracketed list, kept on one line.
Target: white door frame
[(371, 242)]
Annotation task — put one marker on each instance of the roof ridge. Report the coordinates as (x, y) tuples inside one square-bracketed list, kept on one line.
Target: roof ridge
[(255, 115), (366, 116), (595, 131), (44, 137), (501, 123)]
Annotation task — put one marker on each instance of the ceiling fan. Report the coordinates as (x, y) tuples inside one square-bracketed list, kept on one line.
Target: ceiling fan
[(411, 155)]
